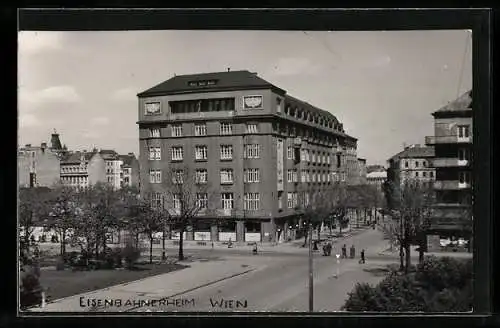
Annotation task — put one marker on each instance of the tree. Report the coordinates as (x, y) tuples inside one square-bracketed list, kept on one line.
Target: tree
[(188, 197), (411, 210), (63, 211), (339, 200), (33, 210)]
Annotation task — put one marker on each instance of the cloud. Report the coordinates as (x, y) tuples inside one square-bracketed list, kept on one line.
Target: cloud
[(295, 66), (90, 134), (28, 120), (125, 94), (62, 93), (30, 42), (101, 120)]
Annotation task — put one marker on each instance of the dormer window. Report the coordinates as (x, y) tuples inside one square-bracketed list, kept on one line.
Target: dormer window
[(202, 83)]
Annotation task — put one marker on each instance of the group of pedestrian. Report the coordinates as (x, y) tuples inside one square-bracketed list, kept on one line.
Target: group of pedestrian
[(352, 253)]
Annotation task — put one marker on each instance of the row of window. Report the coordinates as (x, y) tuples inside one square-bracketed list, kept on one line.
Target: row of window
[(293, 130), (251, 201), (200, 129), (249, 176), (201, 152), (424, 174), (305, 115), (70, 169), (201, 176), (75, 180)]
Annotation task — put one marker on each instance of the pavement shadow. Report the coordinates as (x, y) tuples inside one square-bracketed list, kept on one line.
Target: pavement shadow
[(379, 271)]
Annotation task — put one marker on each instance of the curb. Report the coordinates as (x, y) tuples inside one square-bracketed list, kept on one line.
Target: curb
[(197, 287)]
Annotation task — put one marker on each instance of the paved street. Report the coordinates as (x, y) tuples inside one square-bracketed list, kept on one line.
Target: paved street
[(282, 285)]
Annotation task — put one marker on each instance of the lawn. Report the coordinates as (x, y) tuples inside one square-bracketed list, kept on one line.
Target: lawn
[(59, 284)]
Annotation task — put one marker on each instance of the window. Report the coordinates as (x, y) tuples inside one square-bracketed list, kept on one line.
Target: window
[(200, 129), (307, 156), (177, 153), (154, 176), (178, 177), (463, 155), (251, 175), (154, 154), (226, 152), (424, 163), (313, 157), (252, 151), (289, 175), (303, 155), (303, 174), (226, 176), (416, 174), (424, 174), (251, 128), (314, 177), (416, 164), (463, 131), (280, 200), (251, 201), (464, 177), (156, 200), (201, 176), (431, 174), (154, 133), (152, 108), (290, 200), (176, 202), (278, 105), (328, 159), (202, 200), (200, 153), (227, 202), (226, 128), (289, 152), (308, 176), (406, 163), (328, 177), (177, 130)]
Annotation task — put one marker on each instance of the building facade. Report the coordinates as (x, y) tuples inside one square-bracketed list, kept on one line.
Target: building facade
[(83, 169), (376, 178), (254, 144), (113, 167), (40, 166), (362, 171), (412, 163), (453, 164), (129, 171)]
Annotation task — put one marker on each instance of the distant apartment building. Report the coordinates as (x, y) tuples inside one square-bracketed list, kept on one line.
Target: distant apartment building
[(257, 147), (83, 169), (412, 163), (39, 166), (376, 178), (129, 175), (113, 167), (453, 164)]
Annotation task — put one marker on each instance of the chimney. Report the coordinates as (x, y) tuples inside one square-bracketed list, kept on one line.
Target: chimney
[(27, 145), (131, 154)]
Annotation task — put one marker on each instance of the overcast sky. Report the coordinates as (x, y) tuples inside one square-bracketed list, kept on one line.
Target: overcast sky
[(382, 85)]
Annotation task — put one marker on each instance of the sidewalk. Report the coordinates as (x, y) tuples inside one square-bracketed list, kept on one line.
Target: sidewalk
[(168, 285)]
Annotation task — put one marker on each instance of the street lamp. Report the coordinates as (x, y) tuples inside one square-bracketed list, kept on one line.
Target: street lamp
[(311, 282)]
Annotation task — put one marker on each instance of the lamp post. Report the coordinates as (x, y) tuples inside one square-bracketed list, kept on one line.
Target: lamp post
[(311, 285)]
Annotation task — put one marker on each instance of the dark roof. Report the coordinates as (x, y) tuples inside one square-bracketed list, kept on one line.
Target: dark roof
[(75, 157), (462, 103), (414, 152), (127, 159), (223, 81), (109, 154), (308, 107)]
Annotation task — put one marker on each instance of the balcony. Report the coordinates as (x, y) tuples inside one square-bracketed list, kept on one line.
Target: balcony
[(449, 162), (450, 185), (450, 139)]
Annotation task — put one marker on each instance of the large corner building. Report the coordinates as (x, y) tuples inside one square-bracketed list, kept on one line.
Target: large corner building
[(453, 163), (255, 145)]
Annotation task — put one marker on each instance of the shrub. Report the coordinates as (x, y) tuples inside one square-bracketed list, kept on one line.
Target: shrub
[(31, 291), (60, 264), (438, 285), (131, 254)]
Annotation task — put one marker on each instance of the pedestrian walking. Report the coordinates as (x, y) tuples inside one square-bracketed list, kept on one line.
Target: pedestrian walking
[(362, 259), (344, 251), (329, 248), (353, 252)]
